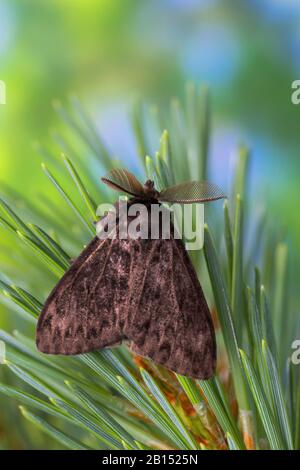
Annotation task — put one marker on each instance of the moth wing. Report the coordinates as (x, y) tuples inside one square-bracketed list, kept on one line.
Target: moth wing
[(123, 180), (191, 191), (168, 317), (83, 311)]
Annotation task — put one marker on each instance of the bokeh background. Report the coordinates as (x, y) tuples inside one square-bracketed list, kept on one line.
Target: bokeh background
[(108, 52)]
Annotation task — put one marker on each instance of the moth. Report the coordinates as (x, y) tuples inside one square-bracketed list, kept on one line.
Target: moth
[(143, 291)]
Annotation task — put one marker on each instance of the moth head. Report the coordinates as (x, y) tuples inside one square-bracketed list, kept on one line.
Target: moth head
[(150, 191)]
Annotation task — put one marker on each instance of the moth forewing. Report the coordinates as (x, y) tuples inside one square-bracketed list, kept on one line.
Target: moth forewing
[(169, 321), (82, 312)]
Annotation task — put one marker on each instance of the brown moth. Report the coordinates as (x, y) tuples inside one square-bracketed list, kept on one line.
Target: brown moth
[(139, 290)]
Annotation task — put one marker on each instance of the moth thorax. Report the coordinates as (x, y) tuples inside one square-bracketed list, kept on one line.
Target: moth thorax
[(150, 190)]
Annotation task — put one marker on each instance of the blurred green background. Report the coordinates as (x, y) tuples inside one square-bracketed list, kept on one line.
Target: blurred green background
[(108, 52)]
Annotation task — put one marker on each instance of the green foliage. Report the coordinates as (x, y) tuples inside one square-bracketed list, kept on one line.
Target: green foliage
[(111, 398)]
